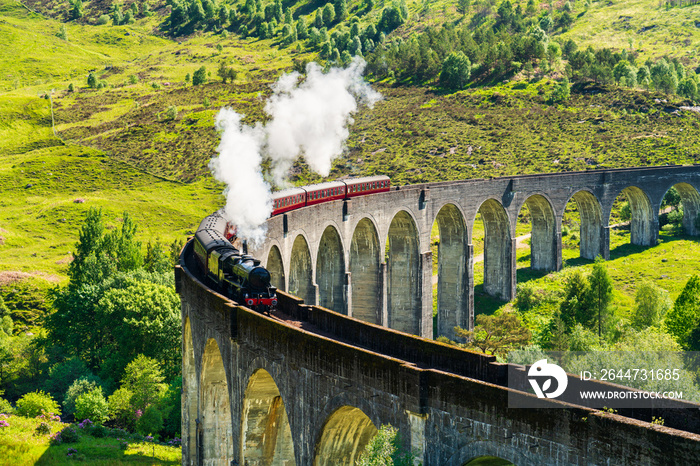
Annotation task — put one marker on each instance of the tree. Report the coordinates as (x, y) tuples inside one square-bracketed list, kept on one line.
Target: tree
[(318, 18), (561, 91), (688, 88), (225, 72), (76, 11), (140, 318), (328, 14), (62, 375), (199, 76), (651, 305), (92, 81), (601, 292), (456, 70), (685, 315), (341, 9), (120, 410), (92, 405), (77, 388), (144, 379), (664, 77), (496, 334), (575, 307), (112, 309)]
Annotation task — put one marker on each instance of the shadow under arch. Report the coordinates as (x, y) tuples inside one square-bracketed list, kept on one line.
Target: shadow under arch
[(276, 268), (404, 275), (343, 438), (215, 430), (330, 271), (543, 237), (483, 450), (590, 225), (642, 231), (300, 273), (453, 290), (266, 438), (365, 260), (488, 461), (690, 200), (189, 398), (499, 263)]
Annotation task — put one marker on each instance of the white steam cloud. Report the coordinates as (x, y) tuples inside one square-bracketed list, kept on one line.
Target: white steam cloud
[(308, 118)]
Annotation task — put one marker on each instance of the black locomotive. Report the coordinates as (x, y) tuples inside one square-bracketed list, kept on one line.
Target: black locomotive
[(238, 276)]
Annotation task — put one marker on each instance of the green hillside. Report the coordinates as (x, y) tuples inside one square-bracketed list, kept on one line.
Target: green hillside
[(139, 138)]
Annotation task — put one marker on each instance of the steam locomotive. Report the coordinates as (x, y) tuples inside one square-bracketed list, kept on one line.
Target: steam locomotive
[(236, 275), (239, 275)]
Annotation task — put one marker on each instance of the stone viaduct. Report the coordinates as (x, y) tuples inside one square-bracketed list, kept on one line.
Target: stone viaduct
[(313, 390), (370, 257)]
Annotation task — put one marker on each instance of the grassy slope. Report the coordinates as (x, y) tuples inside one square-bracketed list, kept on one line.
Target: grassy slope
[(416, 135), (39, 190), (474, 133), (20, 445), (615, 24)]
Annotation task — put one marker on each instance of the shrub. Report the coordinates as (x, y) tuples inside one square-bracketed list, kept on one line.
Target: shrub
[(69, 434), (92, 405), (199, 76), (77, 388), (150, 422), (120, 409), (171, 112), (6, 407), (102, 20), (33, 404), (456, 70), (43, 429), (99, 431)]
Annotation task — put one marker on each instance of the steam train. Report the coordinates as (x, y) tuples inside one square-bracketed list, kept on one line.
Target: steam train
[(239, 275), (236, 275)]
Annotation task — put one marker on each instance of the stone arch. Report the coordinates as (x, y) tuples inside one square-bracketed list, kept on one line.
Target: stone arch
[(499, 261), (543, 238), (690, 200), (276, 268), (344, 436), (365, 260), (454, 270), (330, 271), (642, 225), (591, 225), (189, 397), (474, 450), (215, 435), (266, 438), (404, 275), (300, 272)]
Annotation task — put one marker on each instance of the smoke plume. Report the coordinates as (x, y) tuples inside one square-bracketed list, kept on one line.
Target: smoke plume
[(308, 117)]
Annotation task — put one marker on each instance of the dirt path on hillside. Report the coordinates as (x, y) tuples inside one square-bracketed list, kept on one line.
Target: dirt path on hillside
[(9, 277)]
